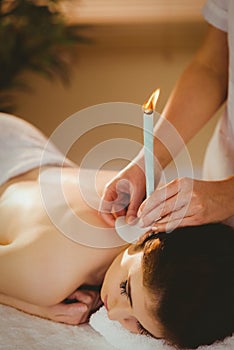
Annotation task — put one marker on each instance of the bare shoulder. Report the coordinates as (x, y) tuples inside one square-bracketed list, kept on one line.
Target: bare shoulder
[(34, 256), (42, 266), (37, 255)]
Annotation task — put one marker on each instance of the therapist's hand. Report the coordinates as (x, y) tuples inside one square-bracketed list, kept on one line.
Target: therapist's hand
[(188, 202), (123, 195)]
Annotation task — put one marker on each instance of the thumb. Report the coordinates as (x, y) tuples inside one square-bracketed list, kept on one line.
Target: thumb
[(141, 208), (81, 307), (135, 201)]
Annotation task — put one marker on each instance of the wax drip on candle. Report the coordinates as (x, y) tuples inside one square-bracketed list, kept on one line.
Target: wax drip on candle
[(131, 233)]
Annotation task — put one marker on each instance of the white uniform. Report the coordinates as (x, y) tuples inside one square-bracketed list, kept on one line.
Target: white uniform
[(219, 159)]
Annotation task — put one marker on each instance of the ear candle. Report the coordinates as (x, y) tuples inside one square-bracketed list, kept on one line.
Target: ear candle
[(148, 117), (131, 233), (149, 151)]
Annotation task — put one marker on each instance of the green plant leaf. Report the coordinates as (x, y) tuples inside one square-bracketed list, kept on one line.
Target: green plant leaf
[(34, 36)]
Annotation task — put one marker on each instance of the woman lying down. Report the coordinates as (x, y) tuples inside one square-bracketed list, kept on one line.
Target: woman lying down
[(176, 286)]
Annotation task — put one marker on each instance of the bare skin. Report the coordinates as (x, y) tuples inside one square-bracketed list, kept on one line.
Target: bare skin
[(39, 265)]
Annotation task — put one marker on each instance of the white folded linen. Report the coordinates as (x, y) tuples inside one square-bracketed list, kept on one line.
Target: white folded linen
[(23, 147), (122, 339)]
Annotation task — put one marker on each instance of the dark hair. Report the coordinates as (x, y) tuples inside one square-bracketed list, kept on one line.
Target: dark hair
[(191, 273)]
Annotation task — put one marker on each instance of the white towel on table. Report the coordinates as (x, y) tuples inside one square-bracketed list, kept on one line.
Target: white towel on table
[(122, 339), (23, 147), (20, 331)]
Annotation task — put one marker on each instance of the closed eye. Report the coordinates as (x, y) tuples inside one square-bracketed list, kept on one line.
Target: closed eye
[(123, 291), (142, 330), (123, 288)]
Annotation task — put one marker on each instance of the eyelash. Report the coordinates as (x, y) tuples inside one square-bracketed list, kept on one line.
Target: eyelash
[(142, 330), (123, 291)]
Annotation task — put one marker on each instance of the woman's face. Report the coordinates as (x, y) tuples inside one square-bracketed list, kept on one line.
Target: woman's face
[(125, 297)]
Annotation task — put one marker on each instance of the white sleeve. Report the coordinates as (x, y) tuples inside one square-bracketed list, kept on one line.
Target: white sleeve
[(216, 13)]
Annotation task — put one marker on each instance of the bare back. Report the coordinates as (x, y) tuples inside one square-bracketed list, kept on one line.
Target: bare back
[(39, 263)]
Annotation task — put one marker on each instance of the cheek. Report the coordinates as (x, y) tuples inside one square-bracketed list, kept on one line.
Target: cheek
[(112, 277), (130, 324)]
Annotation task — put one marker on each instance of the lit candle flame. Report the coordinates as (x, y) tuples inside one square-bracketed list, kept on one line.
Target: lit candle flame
[(150, 105)]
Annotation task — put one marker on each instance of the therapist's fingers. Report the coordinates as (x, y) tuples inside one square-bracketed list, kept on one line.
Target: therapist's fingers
[(159, 196), (163, 211), (109, 218), (135, 201), (106, 204), (166, 200), (115, 200), (186, 211), (178, 218), (118, 210), (197, 202), (169, 224)]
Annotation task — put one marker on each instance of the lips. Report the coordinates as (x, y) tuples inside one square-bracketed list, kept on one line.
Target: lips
[(105, 302)]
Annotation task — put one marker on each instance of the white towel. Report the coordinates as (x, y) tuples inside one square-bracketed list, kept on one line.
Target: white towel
[(20, 331), (122, 339), (23, 147)]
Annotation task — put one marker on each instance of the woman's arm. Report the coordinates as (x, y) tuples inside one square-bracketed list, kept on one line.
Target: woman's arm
[(71, 314), (76, 309)]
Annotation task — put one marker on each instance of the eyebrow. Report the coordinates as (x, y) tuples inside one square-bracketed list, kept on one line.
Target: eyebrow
[(129, 291)]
